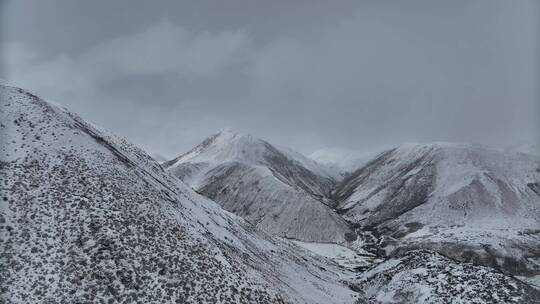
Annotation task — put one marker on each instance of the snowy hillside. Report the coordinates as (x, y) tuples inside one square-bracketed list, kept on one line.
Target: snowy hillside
[(85, 217), (281, 192), (427, 277), (468, 201)]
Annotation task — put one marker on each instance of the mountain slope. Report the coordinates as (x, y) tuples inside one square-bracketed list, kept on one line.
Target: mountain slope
[(467, 201), (271, 188), (422, 276), (85, 217)]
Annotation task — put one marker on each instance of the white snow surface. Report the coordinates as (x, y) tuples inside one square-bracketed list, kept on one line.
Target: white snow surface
[(342, 255), (426, 277)]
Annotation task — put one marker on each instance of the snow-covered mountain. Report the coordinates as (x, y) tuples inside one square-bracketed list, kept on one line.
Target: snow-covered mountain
[(87, 217), (467, 201), (280, 191)]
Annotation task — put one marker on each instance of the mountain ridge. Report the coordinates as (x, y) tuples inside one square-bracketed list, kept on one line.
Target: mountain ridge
[(466, 201), (87, 216), (416, 193), (269, 187)]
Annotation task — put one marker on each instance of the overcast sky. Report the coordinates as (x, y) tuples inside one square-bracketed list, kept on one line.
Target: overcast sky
[(305, 74)]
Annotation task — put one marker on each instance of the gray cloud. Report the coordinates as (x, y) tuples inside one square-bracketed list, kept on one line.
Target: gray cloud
[(167, 48), (163, 48), (359, 75)]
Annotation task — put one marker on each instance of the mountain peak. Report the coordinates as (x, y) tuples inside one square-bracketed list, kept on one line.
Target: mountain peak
[(281, 191), (227, 145), (436, 145), (229, 135)]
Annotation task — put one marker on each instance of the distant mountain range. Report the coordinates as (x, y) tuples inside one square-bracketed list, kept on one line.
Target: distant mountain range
[(467, 201), (85, 216)]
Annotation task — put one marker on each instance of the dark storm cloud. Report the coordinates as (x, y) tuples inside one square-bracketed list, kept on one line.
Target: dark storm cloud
[(306, 74)]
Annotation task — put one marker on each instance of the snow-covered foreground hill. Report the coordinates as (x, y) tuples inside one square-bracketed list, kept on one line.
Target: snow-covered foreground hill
[(423, 276), (87, 217), (466, 201), (280, 191)]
